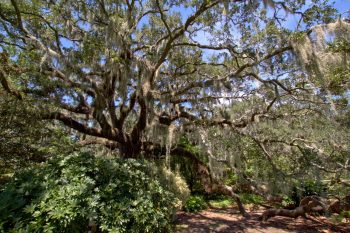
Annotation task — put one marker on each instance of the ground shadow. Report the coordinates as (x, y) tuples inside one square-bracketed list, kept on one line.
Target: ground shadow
[(227, 220)]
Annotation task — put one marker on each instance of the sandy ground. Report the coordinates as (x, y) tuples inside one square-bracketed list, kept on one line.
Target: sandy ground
[(229, 220)]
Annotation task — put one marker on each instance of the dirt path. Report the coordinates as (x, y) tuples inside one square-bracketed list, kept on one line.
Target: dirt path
[(228, 220)]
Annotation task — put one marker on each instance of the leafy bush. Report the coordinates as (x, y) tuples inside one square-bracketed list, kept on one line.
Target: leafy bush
[(307, 188), (248, 198), (67, 194), (344, 215), (286, 201), (195, 204), (310, 188)]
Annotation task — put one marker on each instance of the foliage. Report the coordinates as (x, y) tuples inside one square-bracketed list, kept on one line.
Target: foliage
[(173, 182), (221, 201), (306, 188), (66, 193), (195, 204), (340, 217), (24, 139), (339, 45), (185, 166), (310, 187), (286, 201), (344, 215), (248, 198)]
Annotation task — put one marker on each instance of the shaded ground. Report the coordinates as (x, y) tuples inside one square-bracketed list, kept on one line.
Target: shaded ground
[(229, 220)]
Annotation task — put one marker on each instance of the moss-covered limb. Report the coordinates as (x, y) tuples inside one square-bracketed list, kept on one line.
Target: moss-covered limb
[(299, 211), (311, 204), (229, 191), (210, 184)]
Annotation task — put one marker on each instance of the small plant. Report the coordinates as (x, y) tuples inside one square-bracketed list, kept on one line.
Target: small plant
[(307, 188), (343, 215), (223, 202), (311, 187), (195, 204), (248, 198), (286, 201)]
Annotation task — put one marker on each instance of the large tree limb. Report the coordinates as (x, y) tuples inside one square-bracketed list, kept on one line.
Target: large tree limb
[(7, 86), (308, 204), (112, 145), (74, 124), (180, 31), (209, 183)]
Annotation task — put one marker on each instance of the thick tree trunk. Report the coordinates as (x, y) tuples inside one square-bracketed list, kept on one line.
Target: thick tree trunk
[(130, 150)]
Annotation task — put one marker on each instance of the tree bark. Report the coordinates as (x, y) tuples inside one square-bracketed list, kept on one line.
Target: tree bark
[(299, 211), (130, 149), (229, 191), (309, 204)]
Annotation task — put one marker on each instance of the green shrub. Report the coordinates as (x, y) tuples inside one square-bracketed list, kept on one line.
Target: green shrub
[(307, 188), (195, 204), (345, 214), (286, 201), (339, 218), (65, 194), (248, 198), (311, 187)]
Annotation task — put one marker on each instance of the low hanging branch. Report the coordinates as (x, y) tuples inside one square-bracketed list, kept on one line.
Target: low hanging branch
[(210, 184)]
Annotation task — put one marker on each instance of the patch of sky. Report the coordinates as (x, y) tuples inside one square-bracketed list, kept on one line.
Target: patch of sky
[(14, 57), (89, 100), (342, 6), (67, 99), (347, 96), (66, 43), (90, 123), (184, 12), (84, 25)]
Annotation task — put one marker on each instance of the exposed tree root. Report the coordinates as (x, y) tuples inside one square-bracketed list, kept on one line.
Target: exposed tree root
[(299, 211), (308, 205)]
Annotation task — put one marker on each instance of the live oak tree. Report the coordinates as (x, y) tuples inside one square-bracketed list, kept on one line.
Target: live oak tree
[(133, 75)]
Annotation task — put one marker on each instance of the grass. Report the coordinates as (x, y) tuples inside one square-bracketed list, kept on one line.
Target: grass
[(221, 203)]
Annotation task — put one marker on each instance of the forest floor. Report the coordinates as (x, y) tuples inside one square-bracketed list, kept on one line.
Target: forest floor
[(228, 220)]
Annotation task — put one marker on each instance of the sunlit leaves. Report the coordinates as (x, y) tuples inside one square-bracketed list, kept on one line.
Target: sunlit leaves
[(70, 192)]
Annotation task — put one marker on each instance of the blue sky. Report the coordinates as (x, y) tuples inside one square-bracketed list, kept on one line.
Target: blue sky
[(202, 37), (342, 5)]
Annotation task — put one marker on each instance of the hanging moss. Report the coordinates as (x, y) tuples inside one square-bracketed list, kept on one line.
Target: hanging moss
[(313, 51)]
